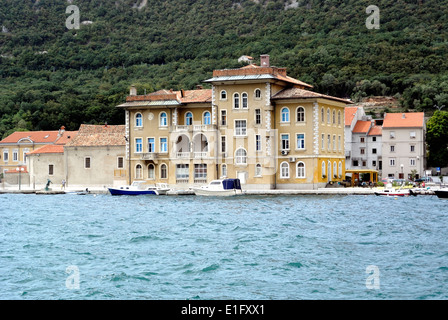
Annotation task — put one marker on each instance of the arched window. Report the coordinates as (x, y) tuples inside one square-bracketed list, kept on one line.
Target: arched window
[(300, 114), (236, 100), (138, 120), (163, 119), (335, 169), (284, 170), (334, 116), (285, 115), (300, 170), (328, 116), (257, 94), (223, 170), (329, 170), (340, 169), (322, 117), (241, 156), (258, 170), (188, 118), (323, 169), (163, 171), (244, 100), (207, 118), (223, 95), (138, 171), (151, 171), (339, 118)]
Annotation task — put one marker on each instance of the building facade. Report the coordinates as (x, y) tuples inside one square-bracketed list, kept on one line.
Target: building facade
[(255, 123)]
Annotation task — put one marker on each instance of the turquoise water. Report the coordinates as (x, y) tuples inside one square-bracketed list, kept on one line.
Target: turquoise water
[(249, 247)]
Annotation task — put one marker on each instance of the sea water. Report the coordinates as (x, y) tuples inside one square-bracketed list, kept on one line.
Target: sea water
[(244, 247)]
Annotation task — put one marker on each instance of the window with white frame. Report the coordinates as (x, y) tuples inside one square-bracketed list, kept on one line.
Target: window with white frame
[(163, 171), (240, 128), (223, 144), (412, 134), (207, 118), (151, 145), (284, 115), (300, 114), (323, 169), (339, 118), (223, 95), (5, 155), (241, 156), (245, 102), (334, 116), (138, 171), (328, 142), (138, 120), (412, 162), (323, 141), (15, 155), (236, 100), (151, 171), (223, 117), (200, 171), (258, 170), (328, 116), (163, 145), (284, 170), (182, 171), (163, 119), (257, 116), (257, 94), (300, 138), (223, 170), (322, 115), (138, 145), (188, 118), (258, 142), (300, 171), (392, 134), (340, 169), (284, 141), (392, 162)]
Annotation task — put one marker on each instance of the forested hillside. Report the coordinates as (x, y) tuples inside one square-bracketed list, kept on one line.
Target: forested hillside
[(51, 75)]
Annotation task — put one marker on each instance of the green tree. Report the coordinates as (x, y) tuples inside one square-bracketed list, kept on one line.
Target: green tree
[(437, 139)]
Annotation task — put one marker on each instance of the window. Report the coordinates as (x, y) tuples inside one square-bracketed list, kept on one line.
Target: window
[(328, 142), (284, 141), (339, 118), (151, 171), (340, 169), (258, 170), (335, 169), (120, 162), (392, 148), (241, 156), (374, 139), (373, 163), (257, 94), (392, 135), (223, 144), (374, 151), (164, 145), (138, 120), (163, 119), (151, 145), (412, 162), (258, 142), (334, 116), (362, 151), (362, 139), (207, 118), (163, 171), (323, 169), (285, 115), (322, 115), (334, 142), (300, 114), (240, 127), (257, 116), (355, 163), (188, 118), (24, 153), (339, 143), (223, 117), (50, 169), (323, 141), (300, 170), (138, 145), (182, 172), (412, 134), (200, 171), (5, 155), (300, 141), (328, 116), (412, 148), (392, 162), (223, 170), (223, 95), (15, 155), (245, 101), (236, 100), (284, 170), (138, 171), (87, 163)]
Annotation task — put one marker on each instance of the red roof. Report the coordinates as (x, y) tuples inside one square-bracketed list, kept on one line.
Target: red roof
[(404, 120), (376, 131), (49, 148), (362, 126), (34, 136), (99, 135), (350, 113)]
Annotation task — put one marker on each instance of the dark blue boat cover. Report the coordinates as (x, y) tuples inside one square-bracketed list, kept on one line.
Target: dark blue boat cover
[(231, 184)]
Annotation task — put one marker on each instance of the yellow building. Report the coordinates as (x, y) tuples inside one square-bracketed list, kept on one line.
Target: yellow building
[(255, 123)]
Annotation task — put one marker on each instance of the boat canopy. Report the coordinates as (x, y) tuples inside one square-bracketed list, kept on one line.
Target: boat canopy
[(231, 184)]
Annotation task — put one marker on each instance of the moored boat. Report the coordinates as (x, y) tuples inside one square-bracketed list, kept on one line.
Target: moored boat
[(140, 188), (389, 191), (442, 193), (225, 187)]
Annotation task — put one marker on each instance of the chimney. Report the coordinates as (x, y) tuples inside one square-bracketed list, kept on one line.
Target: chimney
[(264, 60), (133, 91), (403, 116), (61, 131)]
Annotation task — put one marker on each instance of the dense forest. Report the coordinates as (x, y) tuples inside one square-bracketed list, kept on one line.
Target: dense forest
[(51, 75)]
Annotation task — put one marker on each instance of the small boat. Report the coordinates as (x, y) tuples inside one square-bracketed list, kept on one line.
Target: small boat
[(225, 187), (442, 193), (140, 188), (389, 191)]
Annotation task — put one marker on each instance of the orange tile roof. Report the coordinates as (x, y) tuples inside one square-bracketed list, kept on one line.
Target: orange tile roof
[(49, 148), (34, 136), (404, 120), (99, 135), (350, 113), (182, 96), (66, 137), (362, 126), (376, 131)]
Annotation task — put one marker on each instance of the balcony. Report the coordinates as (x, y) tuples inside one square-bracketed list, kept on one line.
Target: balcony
[(148, 156), (192, 155), (193, 128)]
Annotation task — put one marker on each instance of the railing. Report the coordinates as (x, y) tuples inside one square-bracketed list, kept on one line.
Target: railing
[(179, 180), (148, 156), (200, 180), (199, 155), (183, 155), (191, 128)]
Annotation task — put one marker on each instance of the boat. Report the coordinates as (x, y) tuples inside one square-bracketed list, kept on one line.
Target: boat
[(222, 187), (140, 188), (389, 191), (442, 193)]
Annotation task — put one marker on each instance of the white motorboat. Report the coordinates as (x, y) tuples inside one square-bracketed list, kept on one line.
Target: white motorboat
[(390, 191), (139, 188), (225, 187)]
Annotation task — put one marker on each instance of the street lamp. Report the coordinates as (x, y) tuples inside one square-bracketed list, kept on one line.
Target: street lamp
[(20, 170)]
